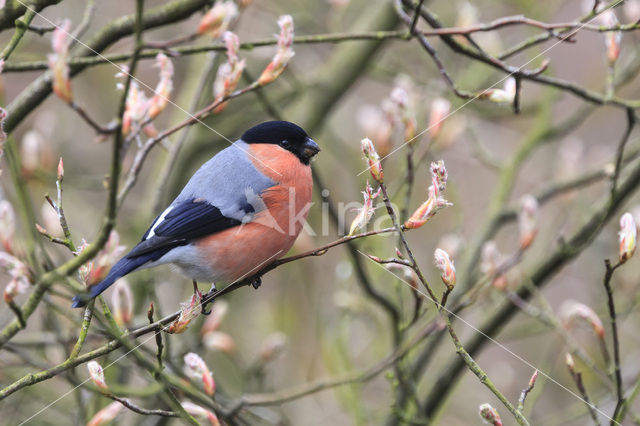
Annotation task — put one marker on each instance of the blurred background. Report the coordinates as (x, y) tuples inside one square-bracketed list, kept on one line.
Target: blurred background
[(313, 320)]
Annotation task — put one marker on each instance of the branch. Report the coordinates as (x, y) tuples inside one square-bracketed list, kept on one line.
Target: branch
[(460, 350), (79, 61), (366, 375), (577, 378), (631, 121), (14, 9), (64, 270), (525, 391), (532, 75), (539, 277), (22, 25), (36, 92), (609, 270), (131, 406)]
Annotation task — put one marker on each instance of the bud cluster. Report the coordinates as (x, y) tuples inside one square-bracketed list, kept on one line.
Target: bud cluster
[(283, 54), (436, 200)]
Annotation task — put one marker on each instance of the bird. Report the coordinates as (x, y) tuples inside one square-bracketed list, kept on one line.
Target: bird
[(240, 211)]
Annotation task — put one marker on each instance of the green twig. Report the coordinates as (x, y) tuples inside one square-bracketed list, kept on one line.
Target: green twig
[(22, 25)]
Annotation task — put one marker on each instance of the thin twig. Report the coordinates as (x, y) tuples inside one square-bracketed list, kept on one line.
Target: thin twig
[(131, 406), (525, 391), (577, 378), (22, 25), (609, 270), (460, 350), (631, 121), (158, 335), (100, 129)]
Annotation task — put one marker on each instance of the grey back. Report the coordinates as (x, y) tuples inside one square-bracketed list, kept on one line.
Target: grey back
[(228, 181)]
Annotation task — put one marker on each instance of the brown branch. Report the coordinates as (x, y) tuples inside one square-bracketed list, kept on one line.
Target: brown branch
[(131, 406), (158, 337), (532, 75), (159, 326), (46, 280), (609, 270), (99, 129), (631, 121), (539, 277), (471, 364), (577, 378)]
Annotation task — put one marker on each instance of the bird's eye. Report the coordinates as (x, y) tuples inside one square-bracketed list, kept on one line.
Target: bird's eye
[(285, 144)]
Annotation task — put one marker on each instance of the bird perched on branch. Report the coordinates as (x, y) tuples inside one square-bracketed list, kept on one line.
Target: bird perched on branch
[(242, 210)]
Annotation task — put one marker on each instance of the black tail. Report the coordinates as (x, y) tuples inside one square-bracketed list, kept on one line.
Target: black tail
[(120, 269)]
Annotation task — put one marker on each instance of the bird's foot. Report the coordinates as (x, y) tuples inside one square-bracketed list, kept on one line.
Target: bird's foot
[(206, 296), (256, 281)]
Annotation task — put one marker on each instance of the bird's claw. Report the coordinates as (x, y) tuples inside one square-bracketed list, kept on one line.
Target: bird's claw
[(211, 291), (256, 282)]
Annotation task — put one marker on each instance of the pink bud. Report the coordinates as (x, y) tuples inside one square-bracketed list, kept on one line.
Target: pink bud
[(611, 38), (568, 359), (283, 54), (446, 266), (97, 375), (122, 301), (632, 10), (188, 312), (376, 125), (200, 413), (532, 380), (17, 285), (196, 368), (164, 87), (375, 166), (489, 415), (440, 108), (219, 341), (107, 257), (435, 202), (7, 225), (60, 170), (403, 111), (106, 415), (426, 211), (491, 258), (572, 311), (439, 175), (229, 73), (58, 61), (627, 236), (501, 96), (218, 19), (35, 153), (528, 220), (366, 211), (273, 346)]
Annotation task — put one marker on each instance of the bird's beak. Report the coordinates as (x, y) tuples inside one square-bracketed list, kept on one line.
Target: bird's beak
[(311, 148)]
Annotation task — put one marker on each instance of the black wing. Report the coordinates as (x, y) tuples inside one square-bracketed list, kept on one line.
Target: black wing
[(185, 221)]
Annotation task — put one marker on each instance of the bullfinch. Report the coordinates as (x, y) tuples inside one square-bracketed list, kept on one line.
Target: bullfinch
[(240, 211)]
